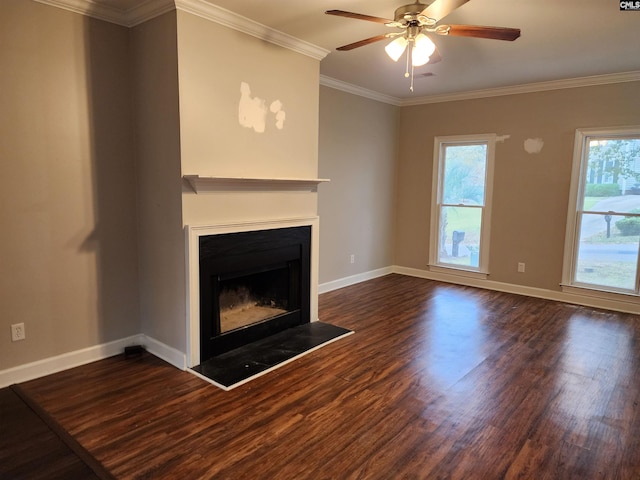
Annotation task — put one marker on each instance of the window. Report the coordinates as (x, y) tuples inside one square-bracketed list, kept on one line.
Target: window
[(460, 206), (603, 222)]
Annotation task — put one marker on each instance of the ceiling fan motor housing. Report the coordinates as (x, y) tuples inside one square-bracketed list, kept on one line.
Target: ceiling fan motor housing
[(411, 15), (408, 12)]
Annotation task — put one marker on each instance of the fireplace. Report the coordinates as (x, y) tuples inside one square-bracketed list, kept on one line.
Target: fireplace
[(252, 284)]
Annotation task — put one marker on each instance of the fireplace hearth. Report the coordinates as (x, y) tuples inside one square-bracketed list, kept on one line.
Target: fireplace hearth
[(253, 284)]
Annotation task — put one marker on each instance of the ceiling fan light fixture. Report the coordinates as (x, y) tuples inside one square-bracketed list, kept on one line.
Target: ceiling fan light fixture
[(416, 18), (396, 48), (423, 48)]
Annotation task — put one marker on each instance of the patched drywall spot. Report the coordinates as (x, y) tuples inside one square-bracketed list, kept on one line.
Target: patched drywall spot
[(276, 108), (502, 138), (533, 145), (252, 111)]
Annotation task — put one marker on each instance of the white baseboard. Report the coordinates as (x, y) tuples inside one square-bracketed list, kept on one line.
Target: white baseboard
[(585, 300), (163, 351), (566, 297), (47, 366), (353, 279)]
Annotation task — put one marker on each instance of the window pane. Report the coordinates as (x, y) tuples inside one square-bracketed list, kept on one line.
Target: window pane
[(464, 174), (608, 251), (612, 180), (460, 235)]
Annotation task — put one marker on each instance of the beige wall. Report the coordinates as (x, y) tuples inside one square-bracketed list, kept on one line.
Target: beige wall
[(157, 125), (68, 252), (358, 143), (96, 245), (531, 191), (213, 62)]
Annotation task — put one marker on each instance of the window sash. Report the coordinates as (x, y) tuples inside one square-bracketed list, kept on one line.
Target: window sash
[(600, 282), (576, 213), (437, 204)]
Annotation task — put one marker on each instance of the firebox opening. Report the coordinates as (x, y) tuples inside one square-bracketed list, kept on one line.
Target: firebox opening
[(253, 298)]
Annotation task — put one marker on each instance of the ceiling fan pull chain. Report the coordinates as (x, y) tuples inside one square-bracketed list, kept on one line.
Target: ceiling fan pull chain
[(411, 87), (406, 71), (410, 61)]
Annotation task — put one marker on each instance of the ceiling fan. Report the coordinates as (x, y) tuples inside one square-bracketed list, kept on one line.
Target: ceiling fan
[(415, 20)]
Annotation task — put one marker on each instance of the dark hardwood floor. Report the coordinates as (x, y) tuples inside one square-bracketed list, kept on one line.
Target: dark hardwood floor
[(438, 381), (31, 449)]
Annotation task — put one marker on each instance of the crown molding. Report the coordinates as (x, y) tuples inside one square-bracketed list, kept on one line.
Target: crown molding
[(149, 9), (591, 81), (209, 11), (355, 90), (633, 76), (90, 9)]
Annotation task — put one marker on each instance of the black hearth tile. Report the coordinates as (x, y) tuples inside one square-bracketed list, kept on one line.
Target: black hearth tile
[(250, 360), (232, 373), (274, 356)]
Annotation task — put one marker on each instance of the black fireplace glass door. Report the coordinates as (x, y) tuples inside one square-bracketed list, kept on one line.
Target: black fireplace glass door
[(252, 285)]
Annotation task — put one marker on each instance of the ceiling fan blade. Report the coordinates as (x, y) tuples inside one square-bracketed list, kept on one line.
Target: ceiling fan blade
[(493, 33), (364, 42), (359, 16), (441, 8)]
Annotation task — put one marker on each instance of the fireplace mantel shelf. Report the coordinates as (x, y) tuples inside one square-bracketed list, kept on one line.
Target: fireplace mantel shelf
[(216, 184)]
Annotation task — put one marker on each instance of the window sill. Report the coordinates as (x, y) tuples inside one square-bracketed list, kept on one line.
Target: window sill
[(458, 272), (585, 291)]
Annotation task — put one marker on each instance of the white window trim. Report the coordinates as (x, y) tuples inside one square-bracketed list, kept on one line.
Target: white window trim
[(436, 190), (575, 195)]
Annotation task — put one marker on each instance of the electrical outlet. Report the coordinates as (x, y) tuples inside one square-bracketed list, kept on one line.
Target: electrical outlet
[(353, 258), (521, 267), (17, 332)]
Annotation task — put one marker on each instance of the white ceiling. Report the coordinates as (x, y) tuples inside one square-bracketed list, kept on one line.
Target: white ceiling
[(561, 39)]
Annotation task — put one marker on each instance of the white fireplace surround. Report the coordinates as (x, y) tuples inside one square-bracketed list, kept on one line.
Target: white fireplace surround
[(194, 232)]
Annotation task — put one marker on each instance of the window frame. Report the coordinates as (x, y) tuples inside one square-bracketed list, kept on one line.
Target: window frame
[(437, 188), (576, 210)]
